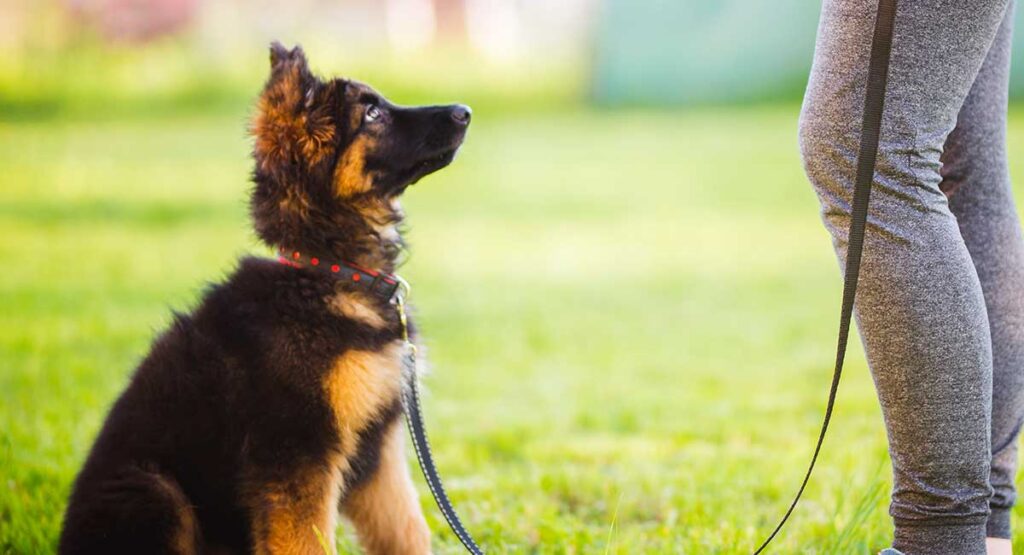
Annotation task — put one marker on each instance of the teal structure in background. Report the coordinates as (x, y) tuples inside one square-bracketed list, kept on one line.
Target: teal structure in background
[(682, 52)]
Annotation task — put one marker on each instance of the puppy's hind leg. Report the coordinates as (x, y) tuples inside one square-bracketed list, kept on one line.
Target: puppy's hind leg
[(386, 510), (135, 510)]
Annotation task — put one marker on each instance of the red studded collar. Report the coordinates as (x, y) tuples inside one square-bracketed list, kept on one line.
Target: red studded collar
[(380, 284)]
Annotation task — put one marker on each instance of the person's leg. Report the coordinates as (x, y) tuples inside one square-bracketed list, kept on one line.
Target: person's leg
[(920, 308), (977, 180)]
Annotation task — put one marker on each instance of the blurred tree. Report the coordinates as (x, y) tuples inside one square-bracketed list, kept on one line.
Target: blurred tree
[(678, 52)]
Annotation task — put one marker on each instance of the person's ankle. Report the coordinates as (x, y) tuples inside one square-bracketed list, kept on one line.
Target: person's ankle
[(998, 546), (951, 536)]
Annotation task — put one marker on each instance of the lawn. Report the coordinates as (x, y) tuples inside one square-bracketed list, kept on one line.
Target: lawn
[(630, 318)]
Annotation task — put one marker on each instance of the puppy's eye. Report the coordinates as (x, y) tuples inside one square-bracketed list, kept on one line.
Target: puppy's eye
[(373, 113)]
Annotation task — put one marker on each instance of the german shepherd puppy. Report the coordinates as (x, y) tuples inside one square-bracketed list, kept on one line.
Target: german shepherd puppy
[(276, 403)]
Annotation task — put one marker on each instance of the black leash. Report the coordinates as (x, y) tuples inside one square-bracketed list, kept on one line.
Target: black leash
[(394, 289), (874, 100), (414, 418), (418, 431)]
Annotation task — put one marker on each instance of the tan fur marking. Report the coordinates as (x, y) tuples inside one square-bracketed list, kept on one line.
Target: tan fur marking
[(386, 510), (287, 513), (317, 140), (352, 93), (358, 307), (350, 177), (382, 216), (283, 134), (294, 202), (359, 386)]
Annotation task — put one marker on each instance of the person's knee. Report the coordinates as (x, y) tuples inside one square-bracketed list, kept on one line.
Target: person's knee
[(812, 135), (825, 150), (829, 144)]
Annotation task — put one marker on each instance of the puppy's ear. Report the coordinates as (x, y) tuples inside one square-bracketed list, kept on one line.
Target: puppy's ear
[(283, 59), (292, 123), (278, 53)]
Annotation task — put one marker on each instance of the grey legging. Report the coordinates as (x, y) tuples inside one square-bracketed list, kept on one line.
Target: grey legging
[(941, 302)]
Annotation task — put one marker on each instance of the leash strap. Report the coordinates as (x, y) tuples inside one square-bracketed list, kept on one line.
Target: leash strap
[(874, 100), (414, 418), (418, 431)]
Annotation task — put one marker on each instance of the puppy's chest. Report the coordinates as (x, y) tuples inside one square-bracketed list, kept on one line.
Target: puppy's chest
[(363, 383), (362, 310)]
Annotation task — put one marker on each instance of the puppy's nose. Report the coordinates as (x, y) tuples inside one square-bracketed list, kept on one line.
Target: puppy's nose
[(461, 114)]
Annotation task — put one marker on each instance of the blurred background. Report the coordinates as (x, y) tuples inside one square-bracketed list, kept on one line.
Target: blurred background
[(652, 384), (116, 57)]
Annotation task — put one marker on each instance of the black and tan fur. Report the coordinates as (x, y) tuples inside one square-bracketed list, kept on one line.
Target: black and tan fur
[(276, 402)]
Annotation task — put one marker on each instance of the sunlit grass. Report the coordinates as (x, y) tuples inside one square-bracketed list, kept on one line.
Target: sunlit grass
[(630, 318)]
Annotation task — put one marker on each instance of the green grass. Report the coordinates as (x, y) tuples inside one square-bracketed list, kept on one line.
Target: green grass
[(630, 318)]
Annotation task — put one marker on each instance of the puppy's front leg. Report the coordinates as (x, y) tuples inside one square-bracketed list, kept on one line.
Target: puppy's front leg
[(386, 510), (297, 516)]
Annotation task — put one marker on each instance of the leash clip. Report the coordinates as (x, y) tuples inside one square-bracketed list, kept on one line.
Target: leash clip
[(403, 291)]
